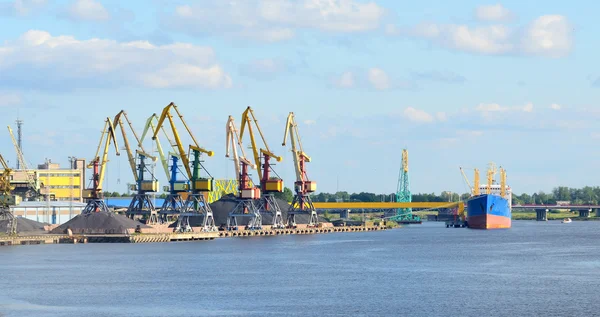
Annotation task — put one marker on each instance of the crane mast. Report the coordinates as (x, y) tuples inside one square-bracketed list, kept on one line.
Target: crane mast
[(467, 181), (302, 203), (32, 180), (94, 197), (195, 204), (6, 199), (141, 204), (173, 203), (269, 183), (247, 192)]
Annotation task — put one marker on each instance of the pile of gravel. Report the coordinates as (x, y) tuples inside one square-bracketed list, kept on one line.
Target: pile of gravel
[(25, 226), (99, 223), (227, 203)]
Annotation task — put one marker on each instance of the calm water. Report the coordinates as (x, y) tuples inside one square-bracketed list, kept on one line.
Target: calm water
[(533, 269)]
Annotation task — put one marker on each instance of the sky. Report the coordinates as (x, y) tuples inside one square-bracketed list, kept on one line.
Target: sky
[(458, 84)]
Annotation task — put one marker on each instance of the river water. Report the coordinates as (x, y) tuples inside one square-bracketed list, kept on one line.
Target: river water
[(533, 269)]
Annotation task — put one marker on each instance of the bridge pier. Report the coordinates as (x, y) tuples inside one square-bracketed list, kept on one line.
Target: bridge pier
[(541, 214), (585, 213)]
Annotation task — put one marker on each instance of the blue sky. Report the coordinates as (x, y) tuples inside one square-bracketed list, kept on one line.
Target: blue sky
[(458, 84)]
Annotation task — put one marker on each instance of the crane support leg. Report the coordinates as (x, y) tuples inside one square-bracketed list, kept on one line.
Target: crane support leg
[(173, 205), (9, 217), (245, 208), (273, 209), (197, 206), (95, 205), (303, 205), (141, 204)]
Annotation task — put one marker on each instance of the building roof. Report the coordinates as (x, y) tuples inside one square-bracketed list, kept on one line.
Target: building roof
[(42, 204)]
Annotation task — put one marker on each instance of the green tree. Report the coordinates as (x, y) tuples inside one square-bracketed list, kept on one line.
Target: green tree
[(286, 195)]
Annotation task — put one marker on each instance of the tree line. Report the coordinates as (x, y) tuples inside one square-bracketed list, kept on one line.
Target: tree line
[(578, 196)]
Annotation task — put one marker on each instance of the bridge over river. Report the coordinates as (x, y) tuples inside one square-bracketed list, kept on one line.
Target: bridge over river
[(542, 210)]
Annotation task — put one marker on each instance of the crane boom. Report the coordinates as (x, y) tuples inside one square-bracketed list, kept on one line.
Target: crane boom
[(108, 137), (302, 203), (163, 159), (467, 180), (30, 178), (248, 118)]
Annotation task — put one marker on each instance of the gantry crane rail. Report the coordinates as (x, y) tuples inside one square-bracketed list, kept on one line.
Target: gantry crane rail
[(247, 192), (302, 203), (269, 184), (195, 203)]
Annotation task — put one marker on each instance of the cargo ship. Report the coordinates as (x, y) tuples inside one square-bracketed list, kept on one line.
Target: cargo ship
[(488, 211), (493, 208)]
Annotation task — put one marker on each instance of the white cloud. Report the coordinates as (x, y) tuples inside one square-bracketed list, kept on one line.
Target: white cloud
[(310, 122), (21, 7), (488, 108), (65, 60), (266, 68), (491, 107), (469, 133), (378, 79), (493, 13), (441, 116), (346, 80), (555, 106), (417, 115), (326, 15), (88, 10), (9, 99), (275, 20), (548, 35)]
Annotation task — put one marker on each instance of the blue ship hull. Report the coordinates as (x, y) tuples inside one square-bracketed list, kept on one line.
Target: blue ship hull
[(488, 211)]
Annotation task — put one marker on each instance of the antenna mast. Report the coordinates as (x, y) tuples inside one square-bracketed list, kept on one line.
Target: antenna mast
[(19, 123)]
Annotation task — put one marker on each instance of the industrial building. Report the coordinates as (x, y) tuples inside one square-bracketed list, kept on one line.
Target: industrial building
[(49, 179)]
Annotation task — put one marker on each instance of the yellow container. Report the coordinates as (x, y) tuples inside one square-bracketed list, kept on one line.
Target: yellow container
[(204, 184), (150, 186), (180, 187), (311, 186), (274, 185)]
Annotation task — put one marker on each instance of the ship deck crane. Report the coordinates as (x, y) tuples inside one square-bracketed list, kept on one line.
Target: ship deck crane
[(302, 203), (32, 180), (269, 184), (195, 203), (247, 192), (173, 203), (141, 204), (6, 200), (94, 195)]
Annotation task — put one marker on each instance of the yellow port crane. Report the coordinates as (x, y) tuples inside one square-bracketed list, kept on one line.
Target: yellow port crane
[(33, 191), (270, 182), (471, 189), (195, 204), (141, 204), (94, 195), (247, 192), (6, 200), (173, 203), (502, 182), (302, 203)]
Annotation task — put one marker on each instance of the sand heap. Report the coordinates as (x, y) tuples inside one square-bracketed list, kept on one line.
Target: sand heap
[(100, 223), (25, 226), (227, 203)]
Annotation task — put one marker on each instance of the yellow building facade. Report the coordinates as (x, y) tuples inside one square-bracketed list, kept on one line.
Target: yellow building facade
[(61, 184)]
